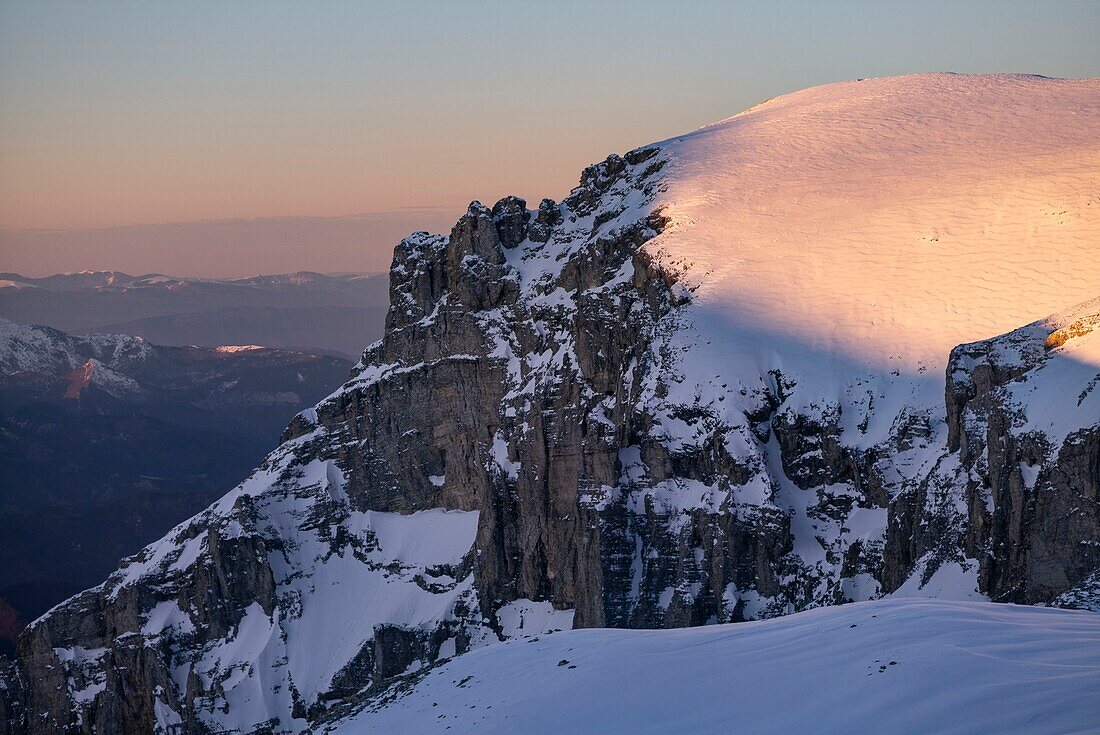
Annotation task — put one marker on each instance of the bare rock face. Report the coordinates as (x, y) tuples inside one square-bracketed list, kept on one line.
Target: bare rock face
[(549, 216), (511, 216), (526, 450), (1017, 490), (1033, 507), (1083, 596)]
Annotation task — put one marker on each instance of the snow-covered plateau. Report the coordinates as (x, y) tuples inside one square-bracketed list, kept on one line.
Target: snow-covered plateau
[(842, 347)]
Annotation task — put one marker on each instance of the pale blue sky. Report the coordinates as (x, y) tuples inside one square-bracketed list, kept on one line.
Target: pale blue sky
[(117, 114)]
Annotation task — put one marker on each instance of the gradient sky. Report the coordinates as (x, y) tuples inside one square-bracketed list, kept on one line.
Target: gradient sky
[(261, 126)]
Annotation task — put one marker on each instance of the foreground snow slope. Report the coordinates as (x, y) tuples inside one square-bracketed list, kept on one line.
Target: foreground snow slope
[(889, 666)]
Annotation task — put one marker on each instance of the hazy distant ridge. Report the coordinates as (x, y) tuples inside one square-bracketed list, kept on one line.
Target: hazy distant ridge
[(311, 311)]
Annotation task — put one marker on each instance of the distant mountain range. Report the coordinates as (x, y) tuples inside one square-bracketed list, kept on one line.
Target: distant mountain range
[(331, 314), (107, 441)]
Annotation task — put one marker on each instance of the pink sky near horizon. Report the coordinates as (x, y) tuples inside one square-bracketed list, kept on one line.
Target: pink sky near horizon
[(229, 139)]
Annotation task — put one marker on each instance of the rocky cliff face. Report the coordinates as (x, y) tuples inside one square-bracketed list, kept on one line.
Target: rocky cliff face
[(549, 435), (1016, 492)]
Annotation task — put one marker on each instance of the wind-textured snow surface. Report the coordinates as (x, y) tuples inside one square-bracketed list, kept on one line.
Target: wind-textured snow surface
[(913, 666), (888, 220)]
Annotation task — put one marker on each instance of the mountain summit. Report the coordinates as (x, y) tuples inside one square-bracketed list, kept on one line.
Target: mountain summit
[(887, 220), (797, 358)]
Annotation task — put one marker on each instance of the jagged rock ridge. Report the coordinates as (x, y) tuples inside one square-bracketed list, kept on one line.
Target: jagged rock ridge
[(570, 422)]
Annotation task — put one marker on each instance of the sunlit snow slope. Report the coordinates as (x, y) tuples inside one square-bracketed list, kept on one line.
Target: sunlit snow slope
[(890, 219), (890, 666)]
